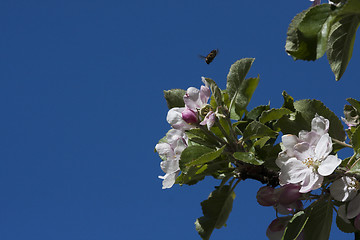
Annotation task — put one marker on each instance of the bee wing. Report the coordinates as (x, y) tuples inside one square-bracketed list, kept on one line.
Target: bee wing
[(201, 56)]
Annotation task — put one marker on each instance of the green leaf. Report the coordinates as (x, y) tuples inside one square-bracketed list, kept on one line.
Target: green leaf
[(341, 43), (255, 113), (343, 226), (174, 98), (292, 124), (192, 153), (308, 33), (319, 224), (258, 130), (196, 135), (207, 157), (215, 91), (240, 90), (247, 157), (355, 103), (309, 108), (216, 210), (288, 101), (355, 139), (295, 226), (273, 114), (350, 7), (262, 141)]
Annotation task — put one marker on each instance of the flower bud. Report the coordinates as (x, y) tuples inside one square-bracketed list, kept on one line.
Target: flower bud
[(290, 208), (288, 194), (276, 228), (265, 196), (189, 116)]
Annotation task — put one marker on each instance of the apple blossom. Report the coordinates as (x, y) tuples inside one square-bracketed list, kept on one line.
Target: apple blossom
[(171, 151), (195, 99), (174, 118), (306, 159), (209, 120)]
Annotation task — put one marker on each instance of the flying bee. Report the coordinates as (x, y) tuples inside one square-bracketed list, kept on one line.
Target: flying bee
[(210, 57)]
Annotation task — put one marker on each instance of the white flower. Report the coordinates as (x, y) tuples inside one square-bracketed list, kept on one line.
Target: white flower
[(319, 127), (209, 120), (306, 160), (195, 99), (171, 151), (344, 189)]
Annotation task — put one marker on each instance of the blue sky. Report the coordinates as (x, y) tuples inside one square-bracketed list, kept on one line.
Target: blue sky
[(82, 108)]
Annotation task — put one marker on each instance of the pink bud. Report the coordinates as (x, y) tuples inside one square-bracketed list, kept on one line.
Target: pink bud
[(357, 222), (265, 196), (189, 116), (288, 194)]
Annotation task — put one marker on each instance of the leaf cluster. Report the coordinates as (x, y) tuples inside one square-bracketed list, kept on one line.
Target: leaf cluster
[(325, 28)]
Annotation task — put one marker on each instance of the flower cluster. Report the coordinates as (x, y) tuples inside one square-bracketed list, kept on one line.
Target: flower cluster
[(306, 160), (187, 117), (285, 200), (171, 151), (182, 119)]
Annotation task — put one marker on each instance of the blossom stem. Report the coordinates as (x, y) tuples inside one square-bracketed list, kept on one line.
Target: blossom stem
[(232, 189), (357, 160), (218, 124), (351, 159), (232, 132), (341, 143), (207, 133)]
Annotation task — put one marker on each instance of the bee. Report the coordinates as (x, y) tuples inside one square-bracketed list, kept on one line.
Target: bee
[(210, 57)]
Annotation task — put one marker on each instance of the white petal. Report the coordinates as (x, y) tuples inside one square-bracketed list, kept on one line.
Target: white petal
[(353, 208), (282, 158), (164, 149), (320, 124), (293, 171), (192, 98), (323, 147), (204, 95), (180, 146), (173, 135), (303, 151), (289, 141), (312, 181), (170, 166), (169, 179), (328, 165), (310, 137)]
